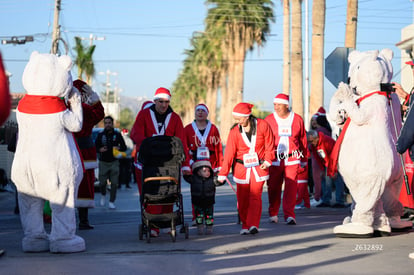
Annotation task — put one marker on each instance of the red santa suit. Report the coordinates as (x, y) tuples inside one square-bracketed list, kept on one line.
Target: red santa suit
[(290, 147), (4, 94), (204, 146), (249, 180), (145, 126), (92, 114)]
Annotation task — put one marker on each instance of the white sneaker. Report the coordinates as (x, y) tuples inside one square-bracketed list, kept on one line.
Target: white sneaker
[(244, 232), (253, 230), (103, 200), (111, 205), (298, 206), (274, 219), (290, 221), (314, 202)]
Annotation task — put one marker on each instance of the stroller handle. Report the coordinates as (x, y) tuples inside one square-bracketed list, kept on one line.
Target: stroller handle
[(161, 178)]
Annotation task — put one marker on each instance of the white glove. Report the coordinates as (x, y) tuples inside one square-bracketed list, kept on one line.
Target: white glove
[(74, 97)]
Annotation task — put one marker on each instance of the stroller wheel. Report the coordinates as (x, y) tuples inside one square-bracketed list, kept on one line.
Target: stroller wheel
[(173, 235), (141, 232), (186, 231)]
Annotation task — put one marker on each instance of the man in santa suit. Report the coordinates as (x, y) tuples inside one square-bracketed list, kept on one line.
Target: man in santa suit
[(249, 152), (5, 103), (290, 151), (93, 112), (158, 119), (203, 140)]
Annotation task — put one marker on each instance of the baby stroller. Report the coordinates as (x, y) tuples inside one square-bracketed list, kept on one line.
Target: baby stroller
[(161, 158)]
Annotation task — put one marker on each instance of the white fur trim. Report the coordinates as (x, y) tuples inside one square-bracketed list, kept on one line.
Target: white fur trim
[(240, 114), (281, 101)]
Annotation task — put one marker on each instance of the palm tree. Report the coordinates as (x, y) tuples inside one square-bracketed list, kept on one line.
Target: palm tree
[(286, 46), (318, 40), (351, 24), (297, 58), (84, 60), (240, 24)]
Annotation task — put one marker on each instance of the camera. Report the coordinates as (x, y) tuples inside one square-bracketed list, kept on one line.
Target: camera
[(387, 87)]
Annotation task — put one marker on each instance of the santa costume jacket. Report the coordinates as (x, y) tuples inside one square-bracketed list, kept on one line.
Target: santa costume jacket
[(210, 139), (146, 126), (295, 132), (238, 145)]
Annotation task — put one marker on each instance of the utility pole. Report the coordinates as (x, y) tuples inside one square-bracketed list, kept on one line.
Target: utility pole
[(91, 38), (351, 24), (56, 28), (108, 83)]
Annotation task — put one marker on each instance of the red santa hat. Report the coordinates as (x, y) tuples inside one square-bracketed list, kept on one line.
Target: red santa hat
[(410, 63), (202, 107), (200, 163), (146, 104), (243, 109), (281, 99), (162, 93), (125, 131), (78, 84), (321, 112)]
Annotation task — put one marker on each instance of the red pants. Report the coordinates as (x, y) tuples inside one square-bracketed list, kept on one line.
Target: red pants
[(249, 200), (408, 200), (274, 190), (151, 209), (303, 192), (317, 173)]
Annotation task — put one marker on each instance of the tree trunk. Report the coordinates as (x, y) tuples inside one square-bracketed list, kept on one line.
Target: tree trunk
[(286, 46), (351, 24), (318, 37), (297, 58)]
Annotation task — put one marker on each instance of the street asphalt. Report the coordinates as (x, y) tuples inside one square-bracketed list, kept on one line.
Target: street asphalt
[(113, 246)]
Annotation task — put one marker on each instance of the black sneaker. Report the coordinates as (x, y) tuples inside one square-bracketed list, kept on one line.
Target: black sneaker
[(338, 205), (323, 205), (85, 226)]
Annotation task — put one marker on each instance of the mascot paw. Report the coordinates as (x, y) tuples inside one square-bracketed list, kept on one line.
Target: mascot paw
[(344, 92), (75, 244), (32, 244), (353, 230)]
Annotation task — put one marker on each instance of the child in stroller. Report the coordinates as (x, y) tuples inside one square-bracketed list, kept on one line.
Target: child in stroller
[(203, 190)]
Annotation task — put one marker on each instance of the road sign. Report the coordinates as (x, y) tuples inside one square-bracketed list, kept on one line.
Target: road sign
[(337, 65)]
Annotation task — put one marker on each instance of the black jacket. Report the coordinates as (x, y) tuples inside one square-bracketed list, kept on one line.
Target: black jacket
[(109, 139)]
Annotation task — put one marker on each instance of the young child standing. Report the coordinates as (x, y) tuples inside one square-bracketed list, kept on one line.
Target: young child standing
[(203, 192)]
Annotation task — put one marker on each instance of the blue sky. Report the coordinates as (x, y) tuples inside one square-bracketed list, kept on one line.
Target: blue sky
[(145, 40)]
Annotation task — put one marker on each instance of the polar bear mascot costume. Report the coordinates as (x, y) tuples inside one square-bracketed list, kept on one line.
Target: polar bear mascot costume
[(366, 154), (47, 164)]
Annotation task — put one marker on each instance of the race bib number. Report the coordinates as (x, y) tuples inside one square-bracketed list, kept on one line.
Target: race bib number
[(250, 160), (203, 153), (285, 131)]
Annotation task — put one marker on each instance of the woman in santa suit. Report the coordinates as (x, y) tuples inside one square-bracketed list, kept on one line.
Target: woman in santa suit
[(249, 151), (203, 140), (93, 112)]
